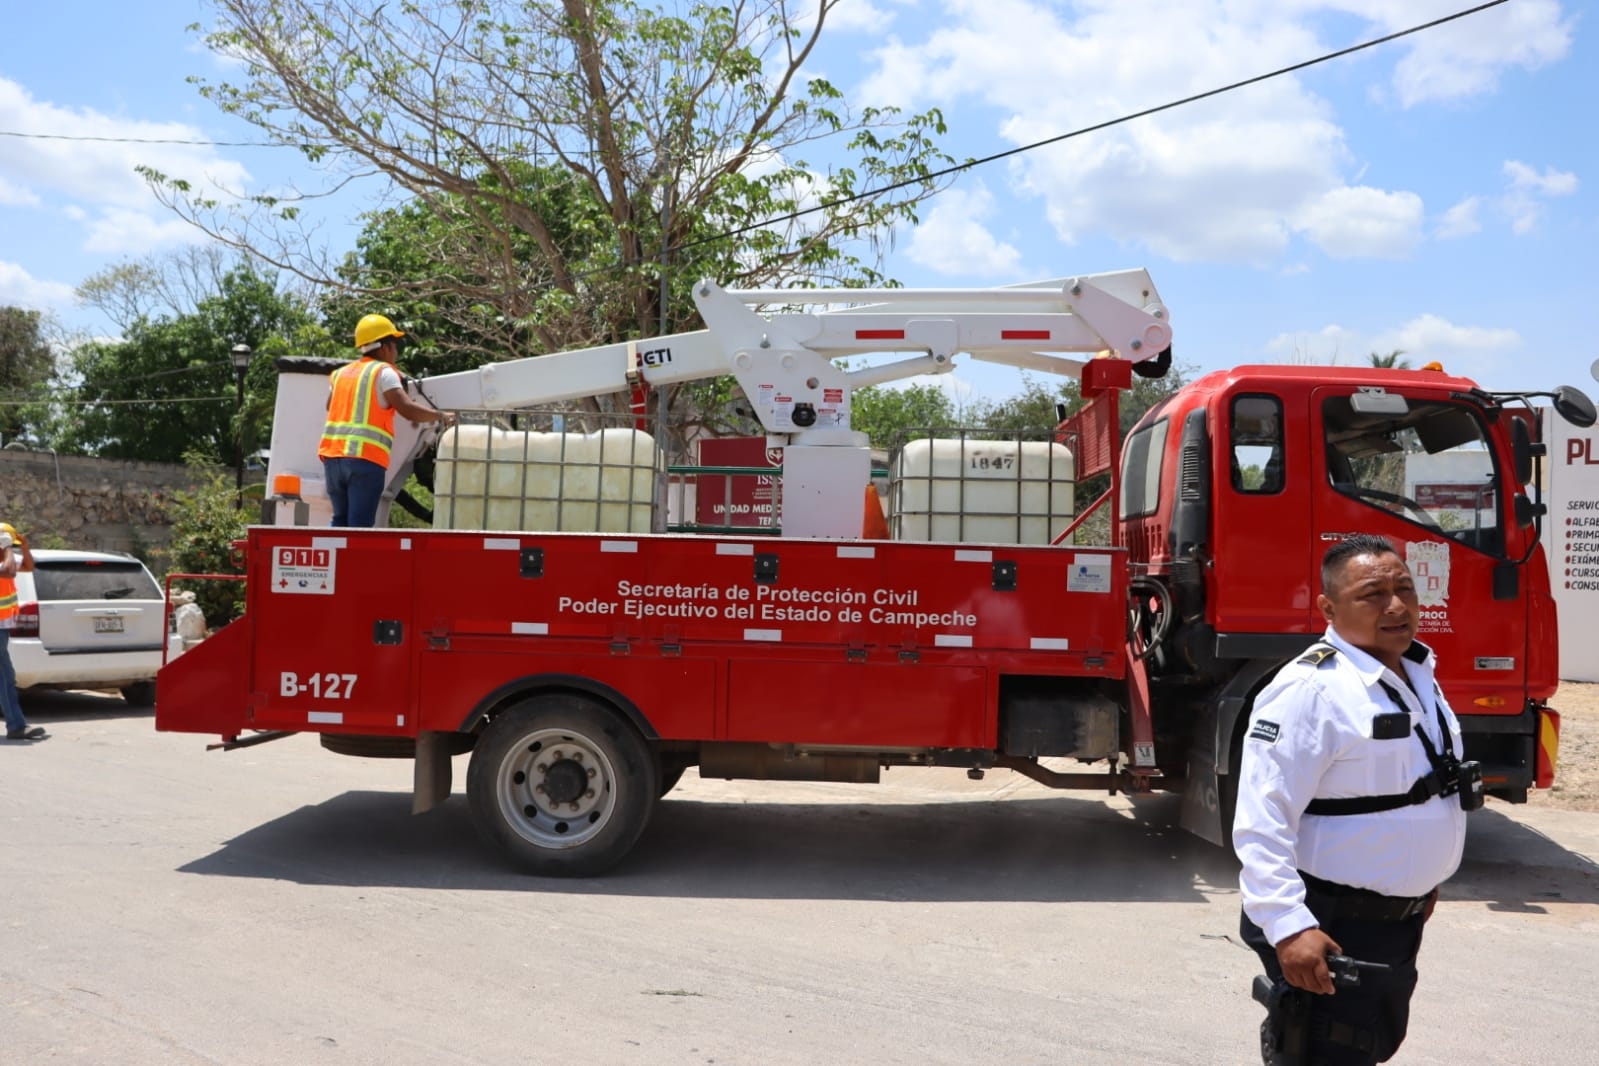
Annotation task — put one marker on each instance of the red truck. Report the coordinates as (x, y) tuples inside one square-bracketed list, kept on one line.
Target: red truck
[(586, 671)]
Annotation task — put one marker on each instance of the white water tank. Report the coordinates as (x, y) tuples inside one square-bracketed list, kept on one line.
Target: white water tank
[(981, 491), (490, 478)]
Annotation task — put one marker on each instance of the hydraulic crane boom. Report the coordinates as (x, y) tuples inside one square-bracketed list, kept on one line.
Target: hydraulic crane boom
[(785, 364)]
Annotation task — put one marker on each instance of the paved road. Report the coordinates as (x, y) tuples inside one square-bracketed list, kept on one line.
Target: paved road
[(162, 905)]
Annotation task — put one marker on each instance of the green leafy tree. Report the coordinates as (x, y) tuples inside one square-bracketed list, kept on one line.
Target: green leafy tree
[(27, 367), (169, 386), (562, 173), (1391, 361), (205, 524), (891, 416)]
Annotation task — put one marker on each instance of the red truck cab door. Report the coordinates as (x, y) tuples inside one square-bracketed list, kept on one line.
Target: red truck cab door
[(1432, 474)]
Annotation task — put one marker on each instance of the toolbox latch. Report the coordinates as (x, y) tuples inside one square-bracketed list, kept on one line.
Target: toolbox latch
[(532, 562), (1005, 575), (765, 568)]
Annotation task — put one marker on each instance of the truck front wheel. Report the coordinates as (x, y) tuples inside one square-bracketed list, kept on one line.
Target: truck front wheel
[(562, 785)]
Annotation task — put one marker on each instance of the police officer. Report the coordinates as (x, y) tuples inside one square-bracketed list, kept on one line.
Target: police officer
[(1350, 811), (359, 432)]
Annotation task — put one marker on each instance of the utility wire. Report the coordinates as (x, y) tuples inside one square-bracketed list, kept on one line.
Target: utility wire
[(974, 163), (109, 403)]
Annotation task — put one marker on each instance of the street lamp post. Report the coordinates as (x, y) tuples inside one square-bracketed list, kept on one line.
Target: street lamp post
[(240, 354)]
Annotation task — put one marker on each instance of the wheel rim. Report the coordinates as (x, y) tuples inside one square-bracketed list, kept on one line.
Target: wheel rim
[(556, 788)]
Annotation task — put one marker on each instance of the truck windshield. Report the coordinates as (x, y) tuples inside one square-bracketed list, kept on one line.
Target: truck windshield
[(1431, 465)]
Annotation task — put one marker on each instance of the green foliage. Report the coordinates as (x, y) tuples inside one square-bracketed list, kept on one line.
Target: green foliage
[(205, 524), (169, 387), (891, 416), (27, 365), (1391, 361), (564, 173)]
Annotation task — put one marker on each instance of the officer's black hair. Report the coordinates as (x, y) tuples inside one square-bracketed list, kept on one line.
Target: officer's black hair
[(1338, 556)]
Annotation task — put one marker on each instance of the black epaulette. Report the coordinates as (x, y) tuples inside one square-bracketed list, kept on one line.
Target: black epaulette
[(1318, 654)]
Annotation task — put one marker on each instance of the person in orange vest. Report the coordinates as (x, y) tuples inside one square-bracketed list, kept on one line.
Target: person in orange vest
[(17, 727), (359, 433)]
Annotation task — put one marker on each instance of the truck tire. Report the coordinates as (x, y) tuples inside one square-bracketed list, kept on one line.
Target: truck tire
[(562, 785)]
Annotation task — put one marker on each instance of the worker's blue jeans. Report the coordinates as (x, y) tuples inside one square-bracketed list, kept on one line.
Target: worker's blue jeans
[(9, 701), (354, 488)]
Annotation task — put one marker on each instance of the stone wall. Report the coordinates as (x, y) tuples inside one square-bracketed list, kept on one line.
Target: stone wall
[(93, 504)]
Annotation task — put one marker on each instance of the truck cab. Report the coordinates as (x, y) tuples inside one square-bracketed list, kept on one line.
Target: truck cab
[(1235, 487)]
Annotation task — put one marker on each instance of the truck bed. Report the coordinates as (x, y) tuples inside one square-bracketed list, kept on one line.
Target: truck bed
[(852, 643)]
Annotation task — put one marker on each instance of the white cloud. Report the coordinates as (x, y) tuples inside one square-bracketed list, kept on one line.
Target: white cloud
[(1234, 178), (1460, 220), (1360, 221), (119, 231), (1472, 350), (858, 16), (97, 178), (952, 239), (18, 288), (15, 196), (1527, 189), (1466, 57)]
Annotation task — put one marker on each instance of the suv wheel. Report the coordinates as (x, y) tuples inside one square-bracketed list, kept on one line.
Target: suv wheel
[(140, 695)]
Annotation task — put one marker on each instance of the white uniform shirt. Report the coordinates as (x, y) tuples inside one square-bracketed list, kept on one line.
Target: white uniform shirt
[(1310, 738)]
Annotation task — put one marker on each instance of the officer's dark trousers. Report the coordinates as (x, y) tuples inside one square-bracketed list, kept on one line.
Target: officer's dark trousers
[(1378, 1008)]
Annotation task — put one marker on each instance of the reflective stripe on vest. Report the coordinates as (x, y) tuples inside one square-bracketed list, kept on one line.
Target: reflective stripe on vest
[(358, 427), (8, 598)]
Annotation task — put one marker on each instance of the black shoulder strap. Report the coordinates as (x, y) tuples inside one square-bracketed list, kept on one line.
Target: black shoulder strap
[(1317, 654)]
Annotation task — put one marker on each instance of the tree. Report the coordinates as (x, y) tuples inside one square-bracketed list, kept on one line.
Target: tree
[(1391, 361), (561, 174), (27, 365), (891, 416), (168, 387), (172, 283)]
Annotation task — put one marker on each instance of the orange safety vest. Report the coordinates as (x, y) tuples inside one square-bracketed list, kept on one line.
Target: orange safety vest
[(358, 426), (8, 598)]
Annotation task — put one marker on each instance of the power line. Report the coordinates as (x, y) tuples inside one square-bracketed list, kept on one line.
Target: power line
[(110, 403), (972, 164)]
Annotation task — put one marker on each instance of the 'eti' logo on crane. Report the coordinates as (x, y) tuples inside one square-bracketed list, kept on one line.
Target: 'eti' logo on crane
[(656, 357)]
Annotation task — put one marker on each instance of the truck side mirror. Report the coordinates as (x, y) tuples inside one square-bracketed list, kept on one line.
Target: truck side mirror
[(1523, 449), (1575, 407), (1527, 512)]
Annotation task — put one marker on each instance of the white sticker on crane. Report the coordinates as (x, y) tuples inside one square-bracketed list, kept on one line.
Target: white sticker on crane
[(304, 571)]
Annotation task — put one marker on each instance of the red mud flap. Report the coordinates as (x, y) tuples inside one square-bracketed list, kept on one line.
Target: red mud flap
[(207, 688), (1548, 747)]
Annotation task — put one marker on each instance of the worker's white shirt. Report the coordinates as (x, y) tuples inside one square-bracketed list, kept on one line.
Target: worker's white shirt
[(388, 378), (1310, 738)]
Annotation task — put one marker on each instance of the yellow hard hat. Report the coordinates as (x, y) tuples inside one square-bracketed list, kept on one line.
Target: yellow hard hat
[(7, 527), (374, 328)]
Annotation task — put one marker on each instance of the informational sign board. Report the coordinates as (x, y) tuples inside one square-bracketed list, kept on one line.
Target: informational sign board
[(1571, 540), (740, 501)]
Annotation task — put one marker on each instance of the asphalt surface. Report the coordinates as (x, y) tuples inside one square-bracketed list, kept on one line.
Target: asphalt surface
[(162, 904)]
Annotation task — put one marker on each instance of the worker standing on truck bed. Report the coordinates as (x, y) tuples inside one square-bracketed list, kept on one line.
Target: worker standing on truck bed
[(360, 428), (1351, 810)]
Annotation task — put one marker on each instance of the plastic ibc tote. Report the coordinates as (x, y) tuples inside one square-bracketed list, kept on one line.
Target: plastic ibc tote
[(981, 491), (489, 478)]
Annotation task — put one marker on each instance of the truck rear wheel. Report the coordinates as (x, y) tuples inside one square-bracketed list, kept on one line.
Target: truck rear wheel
[(562, 785)]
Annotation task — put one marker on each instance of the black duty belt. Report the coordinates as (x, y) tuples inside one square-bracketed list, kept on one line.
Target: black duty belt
[(1329, 899)]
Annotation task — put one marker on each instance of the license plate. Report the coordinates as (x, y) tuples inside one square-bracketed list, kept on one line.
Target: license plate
[(112, 624)]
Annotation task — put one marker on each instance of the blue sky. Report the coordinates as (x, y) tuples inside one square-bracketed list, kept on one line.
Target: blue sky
[(1436, 194)]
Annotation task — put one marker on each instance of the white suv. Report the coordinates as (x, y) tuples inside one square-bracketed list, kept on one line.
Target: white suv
[(94, 620)]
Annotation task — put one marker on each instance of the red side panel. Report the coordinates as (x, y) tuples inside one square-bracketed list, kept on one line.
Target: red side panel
[(707, 638), (206, 690)]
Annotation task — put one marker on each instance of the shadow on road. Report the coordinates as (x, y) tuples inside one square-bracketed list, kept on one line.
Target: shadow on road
[(46, 706), (1515, 867), (1050, 850)]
